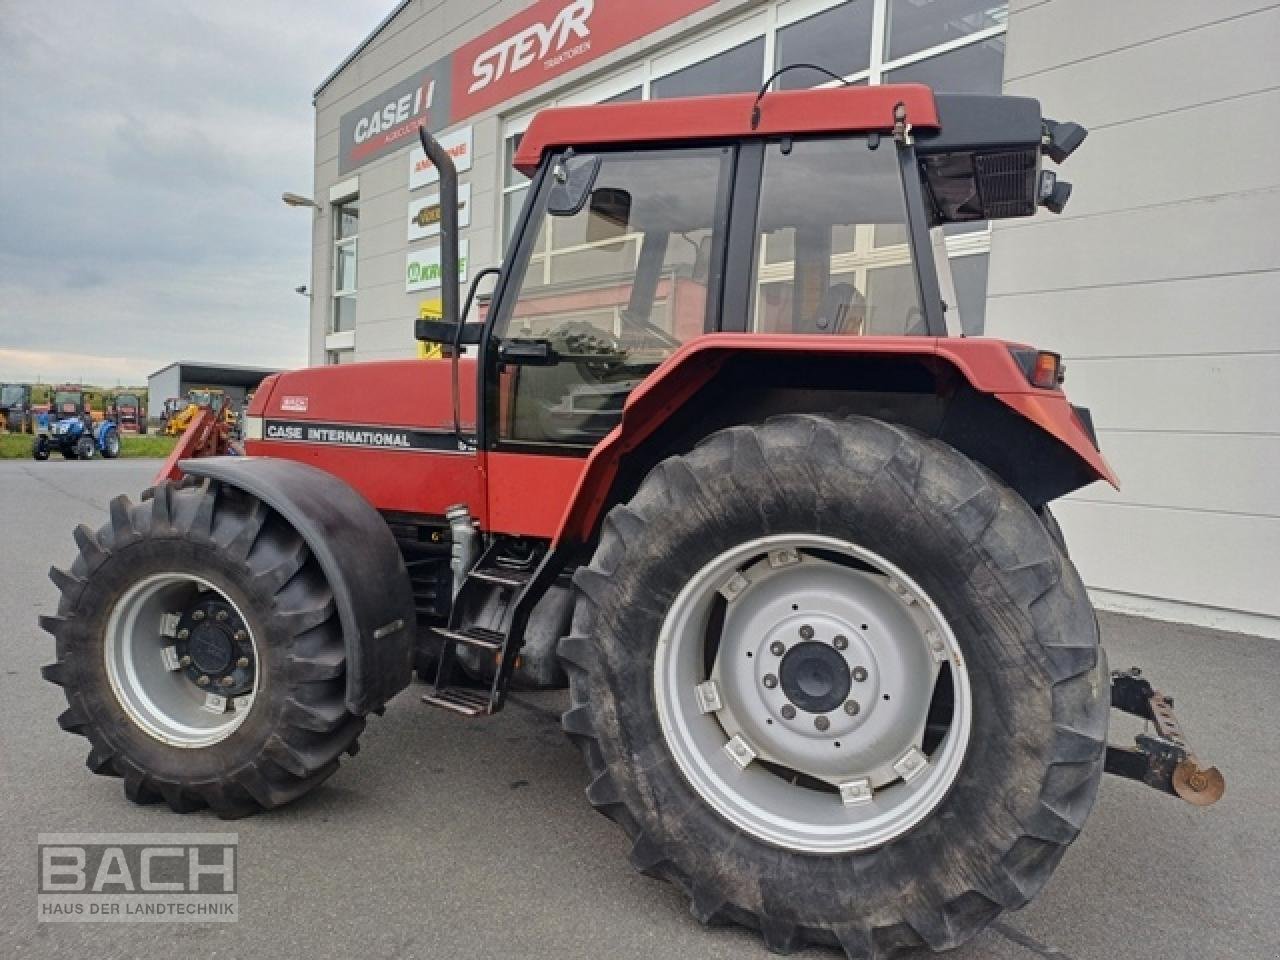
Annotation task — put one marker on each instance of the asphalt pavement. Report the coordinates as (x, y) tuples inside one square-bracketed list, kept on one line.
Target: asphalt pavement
[(472, 839)]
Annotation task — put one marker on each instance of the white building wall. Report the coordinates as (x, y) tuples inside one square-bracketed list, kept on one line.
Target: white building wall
[(1159, 285)]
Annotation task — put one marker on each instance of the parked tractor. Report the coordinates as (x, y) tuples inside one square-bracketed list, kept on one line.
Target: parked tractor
[(718, 457), (77, 438), (17, 413), (127, 411)]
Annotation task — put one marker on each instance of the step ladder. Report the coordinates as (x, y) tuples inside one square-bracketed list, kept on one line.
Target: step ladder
[(524, 584)]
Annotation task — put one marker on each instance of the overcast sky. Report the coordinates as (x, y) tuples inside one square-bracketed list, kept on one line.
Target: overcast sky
[(144, 146)]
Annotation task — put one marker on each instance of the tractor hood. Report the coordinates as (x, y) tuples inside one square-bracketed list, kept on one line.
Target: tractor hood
[(390, 393)]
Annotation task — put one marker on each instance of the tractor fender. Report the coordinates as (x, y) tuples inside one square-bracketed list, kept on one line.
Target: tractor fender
[(358, 556), (986, 365)]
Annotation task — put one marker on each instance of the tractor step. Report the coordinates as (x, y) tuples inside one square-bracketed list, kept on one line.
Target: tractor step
[(468, 702), (521, 582), (502, 577), (480, 638)]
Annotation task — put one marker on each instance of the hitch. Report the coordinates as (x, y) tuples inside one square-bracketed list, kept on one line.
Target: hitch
[(1161, 757)]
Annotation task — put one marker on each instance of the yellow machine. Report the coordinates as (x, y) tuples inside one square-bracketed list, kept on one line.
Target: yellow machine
[(178, 417)]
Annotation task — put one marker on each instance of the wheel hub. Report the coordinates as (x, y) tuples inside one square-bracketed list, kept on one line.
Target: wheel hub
[(824, 663), (214, 648), (815, 677)]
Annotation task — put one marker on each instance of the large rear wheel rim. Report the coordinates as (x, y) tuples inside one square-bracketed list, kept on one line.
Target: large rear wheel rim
[(793, 677), (182, 660)]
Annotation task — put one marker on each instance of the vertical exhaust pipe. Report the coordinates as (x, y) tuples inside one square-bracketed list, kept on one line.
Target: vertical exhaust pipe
[(449, 286)]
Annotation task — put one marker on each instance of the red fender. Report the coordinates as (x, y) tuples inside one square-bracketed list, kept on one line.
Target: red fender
[(987, 365)]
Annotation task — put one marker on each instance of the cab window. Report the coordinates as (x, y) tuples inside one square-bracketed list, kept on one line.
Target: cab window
[(832, 254), (613, 288)]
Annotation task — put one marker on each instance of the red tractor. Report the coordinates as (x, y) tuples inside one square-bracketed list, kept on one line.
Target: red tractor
[(718, 457)]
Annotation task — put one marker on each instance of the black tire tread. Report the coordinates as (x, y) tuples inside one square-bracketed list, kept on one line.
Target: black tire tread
[(315, 727), (1040, 591)]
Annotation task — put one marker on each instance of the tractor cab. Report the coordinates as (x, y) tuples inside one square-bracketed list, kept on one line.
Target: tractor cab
[(818, 213)]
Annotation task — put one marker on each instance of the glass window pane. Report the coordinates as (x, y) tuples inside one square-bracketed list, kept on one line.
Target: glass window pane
[(623, 283), (512, 204), (916, 25), (821, 205), (344, 314), (510, 175), (969, 274), (838, 39), (976, 68), (344, 272), (626, 96), (892, 302), (346, 220), (739, 70)]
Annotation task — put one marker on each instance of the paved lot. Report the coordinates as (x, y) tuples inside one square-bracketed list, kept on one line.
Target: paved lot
[(473, 839)]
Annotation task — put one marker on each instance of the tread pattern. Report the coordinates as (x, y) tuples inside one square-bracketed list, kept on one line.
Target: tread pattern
[(310, 728), (1016, 565)]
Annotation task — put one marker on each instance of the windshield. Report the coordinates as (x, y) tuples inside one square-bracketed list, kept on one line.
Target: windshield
[(832, 250), (67, 401), (126, 400), (11, 396)]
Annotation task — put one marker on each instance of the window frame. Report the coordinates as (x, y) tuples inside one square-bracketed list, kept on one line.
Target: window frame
[(342, 244)]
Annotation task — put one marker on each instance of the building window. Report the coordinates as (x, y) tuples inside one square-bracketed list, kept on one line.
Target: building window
[(973, 68), (838, 39), (739, 69), (346, 226), (335, 357), (916, 25)]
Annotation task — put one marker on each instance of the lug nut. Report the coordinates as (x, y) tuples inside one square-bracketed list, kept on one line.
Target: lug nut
[(242, 662), (225, 682), (806, 632), (770, 681), (197, 615), (221, 616), (821, 722), (788, 712), (242, 636), (841, 642), (184, 633), (851, 707), (777, 648), (202, 680), (185, 660), (859, 674)]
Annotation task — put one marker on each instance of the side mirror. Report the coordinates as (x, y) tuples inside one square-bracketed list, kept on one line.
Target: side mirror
[(571, 181)]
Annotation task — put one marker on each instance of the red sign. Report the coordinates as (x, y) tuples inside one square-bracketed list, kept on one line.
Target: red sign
[(551, 38)]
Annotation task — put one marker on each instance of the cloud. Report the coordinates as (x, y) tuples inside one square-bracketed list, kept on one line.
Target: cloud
[(143, 151)]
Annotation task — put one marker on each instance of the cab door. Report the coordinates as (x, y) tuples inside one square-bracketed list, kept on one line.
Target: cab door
[(598, 295)]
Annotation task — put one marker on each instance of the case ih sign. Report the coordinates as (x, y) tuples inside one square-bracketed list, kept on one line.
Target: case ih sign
[(545, 41)]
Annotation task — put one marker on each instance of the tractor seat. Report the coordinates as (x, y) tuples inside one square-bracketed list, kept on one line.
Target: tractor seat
[(843, 311)]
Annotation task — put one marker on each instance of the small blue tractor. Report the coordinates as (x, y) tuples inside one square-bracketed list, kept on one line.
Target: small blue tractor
[(73, 433)]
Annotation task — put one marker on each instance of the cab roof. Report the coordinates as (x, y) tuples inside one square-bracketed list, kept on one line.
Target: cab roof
[(726, 117)]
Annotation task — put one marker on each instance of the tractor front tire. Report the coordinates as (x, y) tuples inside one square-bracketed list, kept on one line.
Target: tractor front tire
[(750, 664), (83, 449), (200, 652), (111, 444)]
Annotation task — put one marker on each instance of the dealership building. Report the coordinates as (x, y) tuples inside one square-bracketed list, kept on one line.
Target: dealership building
[(1158, 284)]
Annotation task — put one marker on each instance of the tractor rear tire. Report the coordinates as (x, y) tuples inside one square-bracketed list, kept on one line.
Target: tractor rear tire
[(83, 449), (888, 513), (227, 565), (40, 448)]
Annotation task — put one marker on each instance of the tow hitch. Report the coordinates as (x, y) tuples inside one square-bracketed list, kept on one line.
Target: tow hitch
[(1161, 757)]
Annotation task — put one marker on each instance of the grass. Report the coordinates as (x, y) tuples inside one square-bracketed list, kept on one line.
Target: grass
[(14, 446)]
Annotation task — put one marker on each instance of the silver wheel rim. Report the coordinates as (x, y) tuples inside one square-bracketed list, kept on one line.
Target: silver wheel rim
[(166, 643), (767, 734)]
